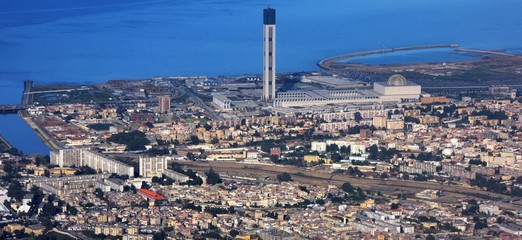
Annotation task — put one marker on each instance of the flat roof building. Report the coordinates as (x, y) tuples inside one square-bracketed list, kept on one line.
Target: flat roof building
[(396, 90)]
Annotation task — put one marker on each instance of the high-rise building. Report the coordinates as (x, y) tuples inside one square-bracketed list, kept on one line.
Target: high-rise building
[(152, 166), (164, 104), (269, 54), (83, 157)]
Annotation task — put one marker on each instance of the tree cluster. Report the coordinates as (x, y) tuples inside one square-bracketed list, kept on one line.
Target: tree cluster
[(134, 140), (284, 177), (491, 184), (213, 177)]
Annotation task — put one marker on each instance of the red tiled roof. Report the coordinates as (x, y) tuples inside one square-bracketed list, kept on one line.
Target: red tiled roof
[(151, 194)]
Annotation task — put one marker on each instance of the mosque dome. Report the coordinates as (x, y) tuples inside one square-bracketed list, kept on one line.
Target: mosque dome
[(397, 80)]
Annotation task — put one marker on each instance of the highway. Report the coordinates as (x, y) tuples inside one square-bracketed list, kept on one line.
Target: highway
[(199, 102)]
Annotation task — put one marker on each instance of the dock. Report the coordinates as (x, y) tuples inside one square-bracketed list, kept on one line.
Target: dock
[(27, 96)]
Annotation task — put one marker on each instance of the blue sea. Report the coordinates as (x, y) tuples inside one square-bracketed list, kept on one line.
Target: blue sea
[(77, 41)]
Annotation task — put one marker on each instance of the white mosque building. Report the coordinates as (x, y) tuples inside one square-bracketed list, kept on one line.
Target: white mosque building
[(396, 90)]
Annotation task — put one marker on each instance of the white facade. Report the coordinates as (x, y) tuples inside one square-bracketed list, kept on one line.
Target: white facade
[(382, 88), (83, 157), (152, 166), (319, 146), (269, 55), (176, 176), (222, 101), (357, 149), (393, 91)]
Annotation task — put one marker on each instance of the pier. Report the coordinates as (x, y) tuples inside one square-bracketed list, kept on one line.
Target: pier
[(27, 97), (27, 100), (326, 63)]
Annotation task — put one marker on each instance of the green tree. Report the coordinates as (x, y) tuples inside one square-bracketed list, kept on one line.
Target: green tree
[(134, 140), (155, 179), (213, 177), (284, 177), (145, 185), (85, 170), (357, 117), (233, 233), (98, 193), (519, 180), (347, 187), (15, 190), (161, 235), (194, 140), (8, 168)]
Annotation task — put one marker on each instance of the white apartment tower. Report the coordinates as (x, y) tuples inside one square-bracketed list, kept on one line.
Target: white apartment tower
[(164, 104), (152, 166), (269, 54)]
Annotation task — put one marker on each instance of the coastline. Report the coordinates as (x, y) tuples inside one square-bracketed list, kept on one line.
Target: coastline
[(41, 133), (5, 143)]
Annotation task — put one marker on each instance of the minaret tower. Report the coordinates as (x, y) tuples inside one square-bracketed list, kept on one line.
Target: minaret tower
[(269, 54)]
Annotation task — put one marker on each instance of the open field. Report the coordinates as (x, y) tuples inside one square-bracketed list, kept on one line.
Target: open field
[(72, 96)]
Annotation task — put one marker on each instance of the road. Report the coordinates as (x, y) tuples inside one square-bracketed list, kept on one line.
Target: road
[(199, 102), (453, 193)]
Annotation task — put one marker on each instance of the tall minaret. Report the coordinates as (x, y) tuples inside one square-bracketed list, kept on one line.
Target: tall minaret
[(269, 54)]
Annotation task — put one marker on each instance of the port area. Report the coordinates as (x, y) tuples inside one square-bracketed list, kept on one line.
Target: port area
[(490, 65)]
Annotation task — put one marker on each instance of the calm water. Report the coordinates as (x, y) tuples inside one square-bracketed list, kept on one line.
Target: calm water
[(413, 56), (93, 41), (21, 136)]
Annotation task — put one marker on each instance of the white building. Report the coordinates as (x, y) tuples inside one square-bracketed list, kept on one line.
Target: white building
[(319, 146), (222, 101), (83, 157), (152, 166), (357, 149), (395, 90), (176, 176)]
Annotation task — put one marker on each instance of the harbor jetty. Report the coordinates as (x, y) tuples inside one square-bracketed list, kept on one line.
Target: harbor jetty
[(327, 63)]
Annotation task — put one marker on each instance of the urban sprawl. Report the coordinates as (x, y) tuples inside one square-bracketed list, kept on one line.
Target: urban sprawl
[(316, 155)]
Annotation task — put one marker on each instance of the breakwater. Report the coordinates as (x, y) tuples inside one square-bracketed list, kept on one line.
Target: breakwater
[(326, 63)]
